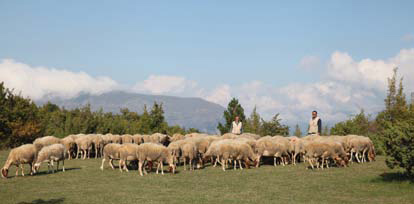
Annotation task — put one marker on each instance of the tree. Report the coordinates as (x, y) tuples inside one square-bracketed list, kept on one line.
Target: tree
[(273, 127), (233, 109), (157, 120), (396, 124), (253, 123), (298, 132)]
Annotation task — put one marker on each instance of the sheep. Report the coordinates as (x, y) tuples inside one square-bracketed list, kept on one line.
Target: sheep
[(296, 147), (138, 139), (127, 139), (174, 148), (69, 143), (360, 145), (189, 151), (116, 139), (127, 152), (84, 146), (337, 153), (315, 151), (250, 136), (154, 152), (110, 152), (25, 154), (50, 154), (177, 137), (98, 142), (269, 146), (45, 141), (159, 138)]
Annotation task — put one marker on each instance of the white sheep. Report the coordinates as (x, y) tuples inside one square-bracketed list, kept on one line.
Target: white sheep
[(50, 154), (25, 154), (110, 152), (45, 141), (154, 152), (127, 152)]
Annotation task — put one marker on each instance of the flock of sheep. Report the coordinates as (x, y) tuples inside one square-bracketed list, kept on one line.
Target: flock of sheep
[(193, 149)]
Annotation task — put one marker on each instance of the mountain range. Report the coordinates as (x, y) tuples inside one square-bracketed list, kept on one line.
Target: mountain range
[(186, 112)]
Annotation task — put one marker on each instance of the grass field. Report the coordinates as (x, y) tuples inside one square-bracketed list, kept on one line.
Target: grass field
[(84, 182)]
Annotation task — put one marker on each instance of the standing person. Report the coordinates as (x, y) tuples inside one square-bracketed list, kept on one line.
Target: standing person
[(315, 124), (236, 126)]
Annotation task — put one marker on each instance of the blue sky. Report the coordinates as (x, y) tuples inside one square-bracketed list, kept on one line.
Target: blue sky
[(215, 48)]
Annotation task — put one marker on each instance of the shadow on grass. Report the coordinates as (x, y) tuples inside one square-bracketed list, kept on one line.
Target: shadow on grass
[(395, 177), (46, 172), (41, 201)]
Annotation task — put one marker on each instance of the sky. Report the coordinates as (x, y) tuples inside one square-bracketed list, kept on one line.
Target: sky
[(283, 57)]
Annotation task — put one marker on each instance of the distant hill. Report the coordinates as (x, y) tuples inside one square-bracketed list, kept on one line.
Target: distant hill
[(186, 112)]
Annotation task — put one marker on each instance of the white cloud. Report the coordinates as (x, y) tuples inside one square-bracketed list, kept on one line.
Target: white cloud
[(408, 38), (369, 73), (310, 62), (37, 82), (220, 95), (162, 84)]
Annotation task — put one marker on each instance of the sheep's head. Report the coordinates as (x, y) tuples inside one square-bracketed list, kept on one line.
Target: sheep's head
[(36, 167), (4, 172), (371, 155)]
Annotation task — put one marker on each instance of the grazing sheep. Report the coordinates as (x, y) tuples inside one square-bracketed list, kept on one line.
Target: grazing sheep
[(296, 147), (127, 152), (84, 146), (45, 141), (127, 139), (50, 154), (110, 152), (154, 152), (174, 148), (25, 154), (272, 146), (69, 143), (360, 145)]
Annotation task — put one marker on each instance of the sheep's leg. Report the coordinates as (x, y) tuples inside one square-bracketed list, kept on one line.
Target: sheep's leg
[(284, 161), (126, 166), (52, 166), (57, 168), (363, 155), (63, 165), (310, 162), (240, 165), (235, 164), (162, 168), (77, 153), (185, 167), (21, 166), (351, 159), (102, 165), (145, 171), (120, 164), (357, 157), (327, 164), (140, 168), (223, 164), (96, 152), (191, 164), (31, 169), (111, 164)]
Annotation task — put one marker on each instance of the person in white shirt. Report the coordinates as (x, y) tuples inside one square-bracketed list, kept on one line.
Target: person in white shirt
[(315, 124), (236, 126)]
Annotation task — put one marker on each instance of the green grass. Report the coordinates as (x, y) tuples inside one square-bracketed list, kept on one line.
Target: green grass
[(84, 182)]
